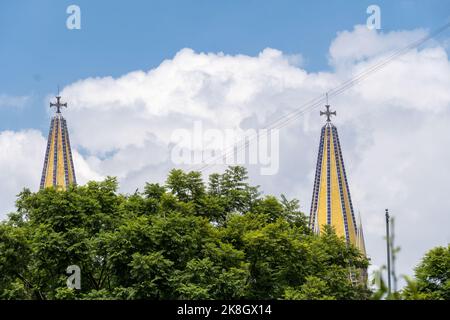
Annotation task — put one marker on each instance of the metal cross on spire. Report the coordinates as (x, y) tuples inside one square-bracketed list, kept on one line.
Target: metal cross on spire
[(328, 113), (58, 104)]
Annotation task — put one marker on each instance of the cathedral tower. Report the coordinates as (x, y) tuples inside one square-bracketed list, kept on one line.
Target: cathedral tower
[(331, 202), (58, 170)]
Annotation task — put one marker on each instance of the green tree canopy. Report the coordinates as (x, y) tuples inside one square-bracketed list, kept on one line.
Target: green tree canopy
[(182, 240), (432, 277)]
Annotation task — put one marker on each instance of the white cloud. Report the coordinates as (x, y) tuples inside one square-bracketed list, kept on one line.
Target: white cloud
[(361, 44), (83, 170), (149, 105), (393, 127), (21, 159)]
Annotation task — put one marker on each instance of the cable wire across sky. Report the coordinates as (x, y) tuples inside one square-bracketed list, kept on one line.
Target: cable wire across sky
[(318, 101)]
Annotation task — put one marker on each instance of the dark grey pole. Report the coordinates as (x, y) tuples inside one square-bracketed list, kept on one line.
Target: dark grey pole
[(388, 253), (393, 255)]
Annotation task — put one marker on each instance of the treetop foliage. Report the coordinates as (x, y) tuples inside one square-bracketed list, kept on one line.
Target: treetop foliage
[(185, 239), (432, 277)]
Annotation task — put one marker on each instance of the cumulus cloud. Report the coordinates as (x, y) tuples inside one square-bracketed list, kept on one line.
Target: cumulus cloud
[(393, 127), (20, 164), (140, 106), (362, 44), (21, 160)]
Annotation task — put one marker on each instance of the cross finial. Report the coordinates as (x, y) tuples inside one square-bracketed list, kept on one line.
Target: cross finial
[(58, 104), (327, 112)]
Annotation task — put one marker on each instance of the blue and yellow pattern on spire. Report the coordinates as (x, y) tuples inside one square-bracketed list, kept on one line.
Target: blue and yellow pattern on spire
[(58, 171), (331, 201)]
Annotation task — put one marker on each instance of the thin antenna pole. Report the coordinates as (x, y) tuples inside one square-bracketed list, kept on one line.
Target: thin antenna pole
[(393, 254), (388, 253)]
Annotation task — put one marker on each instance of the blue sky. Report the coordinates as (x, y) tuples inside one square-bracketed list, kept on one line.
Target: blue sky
[(38, 52), (388, 163)]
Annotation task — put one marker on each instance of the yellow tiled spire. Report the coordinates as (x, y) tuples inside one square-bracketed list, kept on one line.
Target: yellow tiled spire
[(58, 168), (360, 244), (331, 202)]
